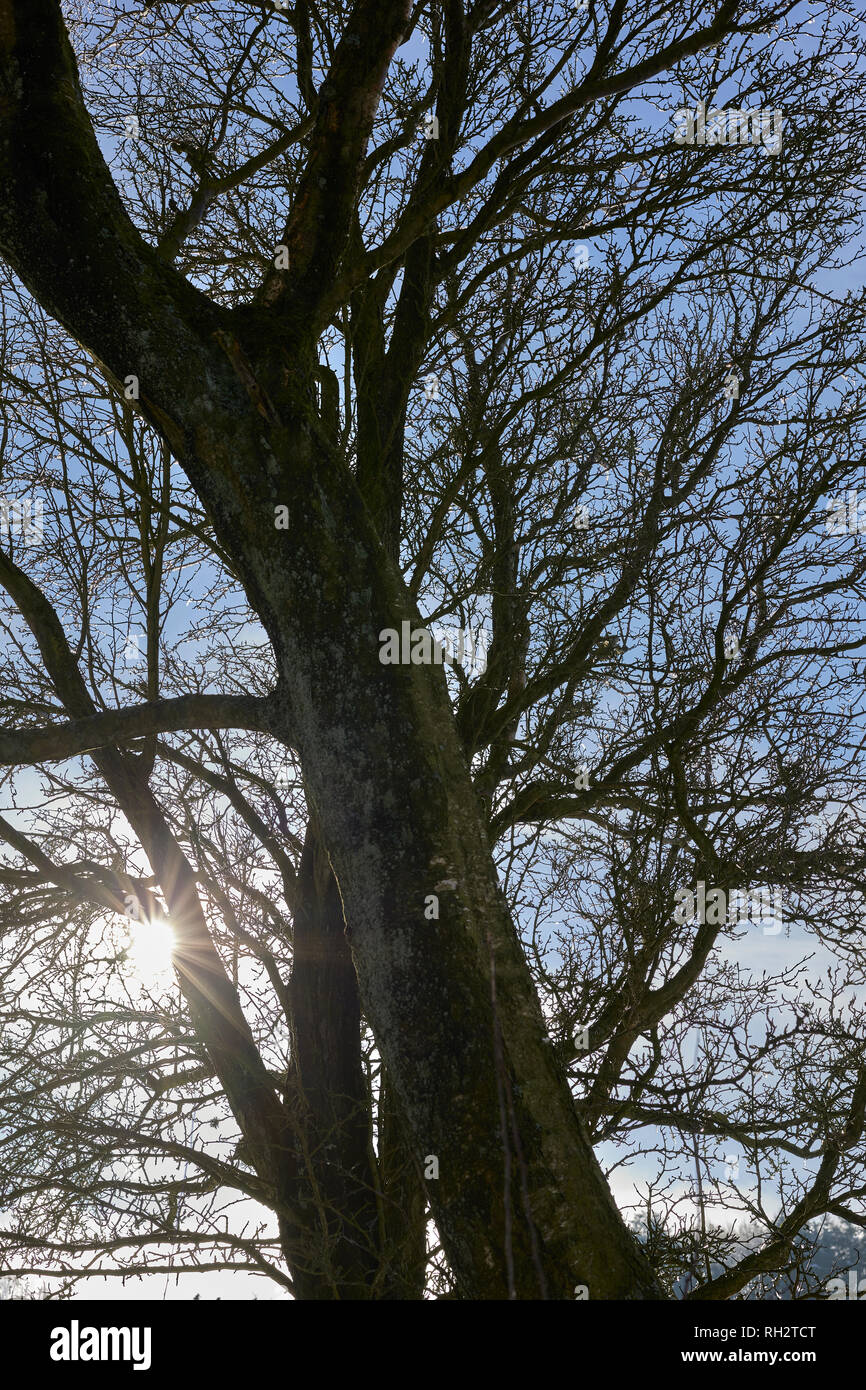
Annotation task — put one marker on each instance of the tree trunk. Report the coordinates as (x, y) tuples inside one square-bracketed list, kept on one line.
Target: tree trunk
[(520, 1201), (404, 1203), (337, 1176)]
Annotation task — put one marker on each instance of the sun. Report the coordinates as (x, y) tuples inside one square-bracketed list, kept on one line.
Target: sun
[(150, 950)]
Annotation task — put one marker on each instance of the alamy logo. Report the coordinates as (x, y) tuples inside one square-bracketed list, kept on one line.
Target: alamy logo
[(718, 907), (721, 126), (21, 517), (133, 907), (732, 382), (418, 646), (75, 1343), (856, 1288), (844, 517)]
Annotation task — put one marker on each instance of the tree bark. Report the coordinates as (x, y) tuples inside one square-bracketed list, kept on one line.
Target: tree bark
[(337, 1186), (404, 1202)]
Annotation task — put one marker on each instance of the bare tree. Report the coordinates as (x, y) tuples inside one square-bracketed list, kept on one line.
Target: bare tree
[(345, 345)]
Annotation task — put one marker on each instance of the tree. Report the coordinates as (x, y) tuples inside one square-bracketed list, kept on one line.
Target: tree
[(274, 203)]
